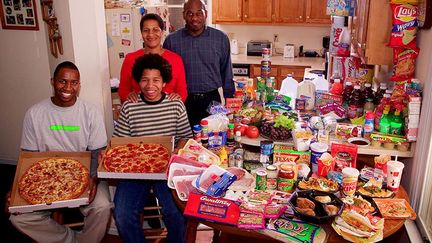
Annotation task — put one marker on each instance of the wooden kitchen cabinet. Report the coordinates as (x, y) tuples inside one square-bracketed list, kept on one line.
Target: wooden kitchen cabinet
[(289, 11), (371, 31), (316, 12), (227, 11), (257, 11), (298, 12), (280, 72)]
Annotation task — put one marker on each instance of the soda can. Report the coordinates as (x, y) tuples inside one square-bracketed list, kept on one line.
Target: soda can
[(261, 180)]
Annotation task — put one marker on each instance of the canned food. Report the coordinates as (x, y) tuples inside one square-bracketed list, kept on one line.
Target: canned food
[(261, 180)]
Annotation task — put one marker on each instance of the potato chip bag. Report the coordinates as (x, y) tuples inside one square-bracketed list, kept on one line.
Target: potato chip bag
[(415, 2), (405, 24), (404, 63)]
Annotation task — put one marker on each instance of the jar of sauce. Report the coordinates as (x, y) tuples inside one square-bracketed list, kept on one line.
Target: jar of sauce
[(286, 177)]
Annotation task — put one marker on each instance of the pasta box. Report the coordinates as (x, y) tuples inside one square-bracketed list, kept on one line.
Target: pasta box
[(166, 141), (26, 160), (211, 208)]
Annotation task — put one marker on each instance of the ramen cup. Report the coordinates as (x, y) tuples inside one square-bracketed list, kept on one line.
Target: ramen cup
[(349, 182)]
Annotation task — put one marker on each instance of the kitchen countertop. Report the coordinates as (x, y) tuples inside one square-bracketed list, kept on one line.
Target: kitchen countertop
[(313, 62)]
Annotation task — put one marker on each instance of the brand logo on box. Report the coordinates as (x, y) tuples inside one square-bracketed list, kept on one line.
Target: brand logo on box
[(217, 201)]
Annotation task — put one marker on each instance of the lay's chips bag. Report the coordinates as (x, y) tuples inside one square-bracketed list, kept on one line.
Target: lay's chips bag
[(404, 26)]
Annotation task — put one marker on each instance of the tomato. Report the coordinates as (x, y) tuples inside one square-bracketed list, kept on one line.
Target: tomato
[(252, 132), (241, 128)]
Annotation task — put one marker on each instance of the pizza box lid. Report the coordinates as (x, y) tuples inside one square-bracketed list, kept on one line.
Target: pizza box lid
[(27, 159), (166, 141)]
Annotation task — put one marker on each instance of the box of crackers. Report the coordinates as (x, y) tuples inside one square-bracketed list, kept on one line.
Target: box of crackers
[(119, 161), (25, 199)]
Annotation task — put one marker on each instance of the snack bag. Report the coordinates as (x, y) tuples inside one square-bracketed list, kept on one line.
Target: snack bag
[(345, 155), (404, 26), (404, 63), (415, 2)]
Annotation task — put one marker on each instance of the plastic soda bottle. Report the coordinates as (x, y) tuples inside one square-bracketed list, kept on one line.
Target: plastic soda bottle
[(337, 87), (385, 121), (379, 110)]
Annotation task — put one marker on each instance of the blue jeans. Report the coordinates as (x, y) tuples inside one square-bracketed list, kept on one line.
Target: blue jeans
[(129, 200)]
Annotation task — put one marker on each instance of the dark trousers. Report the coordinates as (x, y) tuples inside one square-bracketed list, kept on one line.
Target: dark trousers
[(197, 104)]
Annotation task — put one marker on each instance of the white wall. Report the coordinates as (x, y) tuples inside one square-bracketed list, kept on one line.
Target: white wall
[(25, 80), (309, 37), (26, 67)]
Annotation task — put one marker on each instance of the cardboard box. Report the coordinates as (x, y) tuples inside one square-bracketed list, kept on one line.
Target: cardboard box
[(26, 160), (166, 141)]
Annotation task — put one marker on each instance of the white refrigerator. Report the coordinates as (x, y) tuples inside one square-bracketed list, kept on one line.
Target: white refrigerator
[(123, 32)]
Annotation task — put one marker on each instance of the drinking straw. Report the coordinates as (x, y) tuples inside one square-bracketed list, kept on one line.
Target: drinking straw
[(396, 157)]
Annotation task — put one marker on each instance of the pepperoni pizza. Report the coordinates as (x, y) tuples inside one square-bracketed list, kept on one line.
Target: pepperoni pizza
[(137, 158), (53, 179)]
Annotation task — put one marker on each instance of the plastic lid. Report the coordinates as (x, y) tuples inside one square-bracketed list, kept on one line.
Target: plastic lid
[(386, 95), (348, 83), (369, 115), (238, 134), (289, 75), (230, 125), (337, 80), (319, 147), (356, 86), (368, 85), (204, 122)]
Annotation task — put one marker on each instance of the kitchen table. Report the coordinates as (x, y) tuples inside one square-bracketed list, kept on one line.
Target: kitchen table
[(391, 226)]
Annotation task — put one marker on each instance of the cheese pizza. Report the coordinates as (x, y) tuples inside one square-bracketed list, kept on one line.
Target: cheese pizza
[(137, 158), (53, 179)]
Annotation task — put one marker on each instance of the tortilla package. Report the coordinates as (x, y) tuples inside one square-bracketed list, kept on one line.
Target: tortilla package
[(404, 63), (405, 24)]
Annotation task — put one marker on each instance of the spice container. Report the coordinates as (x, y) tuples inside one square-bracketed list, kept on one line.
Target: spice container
[(272, 175)]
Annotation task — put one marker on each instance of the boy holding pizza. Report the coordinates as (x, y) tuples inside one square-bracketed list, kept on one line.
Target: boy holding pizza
[(46, 128), (153, 115)]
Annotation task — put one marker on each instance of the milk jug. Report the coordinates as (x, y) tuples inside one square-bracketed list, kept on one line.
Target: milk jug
[(306, 91), (289, 88)]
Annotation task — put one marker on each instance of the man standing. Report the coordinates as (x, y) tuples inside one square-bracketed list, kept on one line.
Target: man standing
[(66, 123), (206, 55)]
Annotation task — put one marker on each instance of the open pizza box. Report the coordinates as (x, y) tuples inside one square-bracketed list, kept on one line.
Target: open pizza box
[(166, 141), (26, 160)]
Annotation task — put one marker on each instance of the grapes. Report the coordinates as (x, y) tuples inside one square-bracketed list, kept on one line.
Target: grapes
[(275, 133)]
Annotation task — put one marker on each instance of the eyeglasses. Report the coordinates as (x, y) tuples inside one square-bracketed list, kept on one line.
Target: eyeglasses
[(155, 30), (198, 14)]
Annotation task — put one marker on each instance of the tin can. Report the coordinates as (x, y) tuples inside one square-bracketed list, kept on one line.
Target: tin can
[(232, 159), (272, 175), (239, 157), (197, 133), (261, 180)]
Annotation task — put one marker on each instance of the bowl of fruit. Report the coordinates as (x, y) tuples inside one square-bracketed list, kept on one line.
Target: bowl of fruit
[(279, 129)]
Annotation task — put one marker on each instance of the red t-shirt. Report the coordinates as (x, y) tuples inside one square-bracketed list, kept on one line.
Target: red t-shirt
[(176, 85)]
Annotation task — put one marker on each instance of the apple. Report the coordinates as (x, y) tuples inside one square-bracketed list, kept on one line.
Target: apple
[(252, 132), (241, 128)]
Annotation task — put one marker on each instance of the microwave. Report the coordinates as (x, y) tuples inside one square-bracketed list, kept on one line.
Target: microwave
[(254, 47)]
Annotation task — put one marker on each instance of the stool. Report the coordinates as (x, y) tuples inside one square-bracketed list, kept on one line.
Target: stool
[(151, 234)]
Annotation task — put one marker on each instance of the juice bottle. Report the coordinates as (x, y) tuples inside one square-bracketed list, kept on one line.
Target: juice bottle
[(346, 93), (379, 110), (369, 124), (336, 88), (355, 107), (368, 92), (385, 121), (380, 93)]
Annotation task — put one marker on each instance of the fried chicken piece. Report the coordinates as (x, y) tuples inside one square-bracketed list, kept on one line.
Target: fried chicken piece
[(331, 209), (307, 211), (305, 203)]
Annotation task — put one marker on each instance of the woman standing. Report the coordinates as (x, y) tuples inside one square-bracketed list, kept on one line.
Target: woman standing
[(152, 28)]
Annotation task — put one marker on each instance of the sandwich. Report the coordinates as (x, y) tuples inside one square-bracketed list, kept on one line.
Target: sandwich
[(355, 227)]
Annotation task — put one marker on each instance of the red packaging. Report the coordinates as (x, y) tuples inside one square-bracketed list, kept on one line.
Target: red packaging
[(215, 209), (345, 155), (404, 29), (404, 63)]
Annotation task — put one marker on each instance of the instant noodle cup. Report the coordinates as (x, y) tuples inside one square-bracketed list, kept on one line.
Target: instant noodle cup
[(349, 181), (325, 164)]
